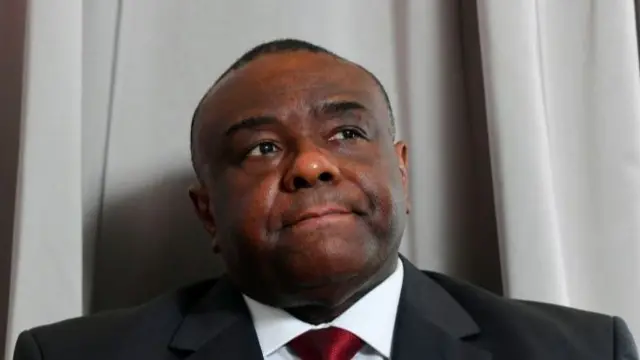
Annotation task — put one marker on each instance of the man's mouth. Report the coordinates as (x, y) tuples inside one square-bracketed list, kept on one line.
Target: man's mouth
[(320, 215)]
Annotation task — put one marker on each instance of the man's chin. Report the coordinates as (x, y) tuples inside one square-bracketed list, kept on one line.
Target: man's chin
[(328, 281), (327, 294), (329, 289), (327, 269)]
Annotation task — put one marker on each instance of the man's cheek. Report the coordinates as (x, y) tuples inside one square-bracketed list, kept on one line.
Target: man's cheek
[(254, 202)]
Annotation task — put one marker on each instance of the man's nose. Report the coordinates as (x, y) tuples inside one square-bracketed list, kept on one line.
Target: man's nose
[(311, 168)]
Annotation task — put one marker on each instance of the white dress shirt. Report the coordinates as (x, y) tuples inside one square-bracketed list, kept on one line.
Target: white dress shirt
[(372, 319)]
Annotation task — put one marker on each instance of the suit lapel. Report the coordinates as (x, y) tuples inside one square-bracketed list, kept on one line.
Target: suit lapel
[(219, 326), (430, 324), (236, 342)]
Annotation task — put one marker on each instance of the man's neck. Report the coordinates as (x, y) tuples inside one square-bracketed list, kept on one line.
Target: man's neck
[(317, 314)]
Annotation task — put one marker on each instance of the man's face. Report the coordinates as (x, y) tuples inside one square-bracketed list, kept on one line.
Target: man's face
[(302, 187)]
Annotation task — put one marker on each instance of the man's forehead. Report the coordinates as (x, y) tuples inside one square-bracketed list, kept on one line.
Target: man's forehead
[(315, 75)]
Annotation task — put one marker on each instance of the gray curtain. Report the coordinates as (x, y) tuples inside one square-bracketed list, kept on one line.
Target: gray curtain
[(506, 110)]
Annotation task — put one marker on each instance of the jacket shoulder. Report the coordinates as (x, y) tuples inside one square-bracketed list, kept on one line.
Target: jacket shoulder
[(535, 327), (104, 334), (474, 298)]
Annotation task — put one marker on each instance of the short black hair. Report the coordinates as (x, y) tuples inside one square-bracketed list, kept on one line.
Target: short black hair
[(274, 47)]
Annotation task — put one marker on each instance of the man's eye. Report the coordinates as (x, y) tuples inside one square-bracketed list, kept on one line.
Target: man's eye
[(347, 134), (263, 149)]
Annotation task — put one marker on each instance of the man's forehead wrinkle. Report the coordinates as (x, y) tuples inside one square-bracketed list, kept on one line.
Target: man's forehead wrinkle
[(232, 100), (298, 100)]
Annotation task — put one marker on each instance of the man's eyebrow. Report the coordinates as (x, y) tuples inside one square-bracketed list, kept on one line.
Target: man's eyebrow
[(250, 123), (338, 106)]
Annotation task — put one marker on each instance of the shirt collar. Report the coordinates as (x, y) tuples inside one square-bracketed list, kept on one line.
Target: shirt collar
[(275, 327)]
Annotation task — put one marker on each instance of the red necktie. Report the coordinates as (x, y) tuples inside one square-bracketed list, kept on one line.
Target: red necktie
[(326, 344)]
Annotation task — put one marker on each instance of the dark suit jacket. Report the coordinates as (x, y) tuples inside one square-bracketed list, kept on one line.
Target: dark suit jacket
[(438, 319)]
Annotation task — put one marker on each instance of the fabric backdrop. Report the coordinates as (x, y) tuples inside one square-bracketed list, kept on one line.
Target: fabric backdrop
[(522, 117)]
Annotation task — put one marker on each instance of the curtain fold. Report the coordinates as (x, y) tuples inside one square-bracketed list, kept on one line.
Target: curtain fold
[(47, 271), (517, 116), (451, 226)]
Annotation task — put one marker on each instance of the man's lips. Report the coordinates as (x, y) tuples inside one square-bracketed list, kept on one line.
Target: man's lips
[(319, 214)]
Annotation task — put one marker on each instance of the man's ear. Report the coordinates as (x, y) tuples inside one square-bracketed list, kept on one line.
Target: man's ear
[(402, 153), (201, 202)]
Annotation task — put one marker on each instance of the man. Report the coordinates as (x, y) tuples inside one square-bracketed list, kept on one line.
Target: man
[(304, 192)]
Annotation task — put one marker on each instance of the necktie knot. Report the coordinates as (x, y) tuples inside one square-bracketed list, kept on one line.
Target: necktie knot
[(331, 343)]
